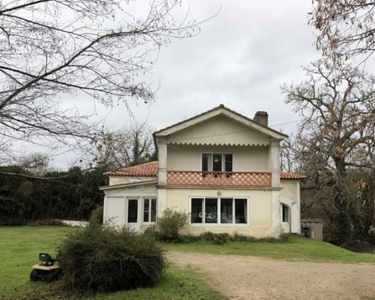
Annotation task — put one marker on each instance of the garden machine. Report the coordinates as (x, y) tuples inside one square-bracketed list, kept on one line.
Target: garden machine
[(47, 270)]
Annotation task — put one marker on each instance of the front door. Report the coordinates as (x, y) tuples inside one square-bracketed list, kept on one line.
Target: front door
[(133, 218)]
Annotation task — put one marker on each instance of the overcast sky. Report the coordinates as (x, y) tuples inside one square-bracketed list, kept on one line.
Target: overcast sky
[(240, 59)]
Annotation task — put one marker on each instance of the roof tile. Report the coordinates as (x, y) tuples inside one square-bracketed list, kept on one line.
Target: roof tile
[(144, 170)]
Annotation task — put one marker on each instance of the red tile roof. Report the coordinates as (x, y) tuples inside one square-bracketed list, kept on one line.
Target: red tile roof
[(146, 169), (150, 169)]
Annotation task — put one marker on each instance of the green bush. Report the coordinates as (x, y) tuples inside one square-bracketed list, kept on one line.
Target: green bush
[(243, 238), (97, 215), (169, 225), (151, 232), (216, 238), (100, 258)]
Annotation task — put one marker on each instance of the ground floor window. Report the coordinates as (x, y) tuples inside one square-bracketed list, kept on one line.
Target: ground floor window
[(132, 210), (149, 210), (219, 210), (285, 213)]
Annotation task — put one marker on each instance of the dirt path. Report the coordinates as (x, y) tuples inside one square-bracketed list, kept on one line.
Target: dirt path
[(246, 277)]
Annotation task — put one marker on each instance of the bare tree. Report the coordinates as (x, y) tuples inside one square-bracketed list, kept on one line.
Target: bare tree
[(126, 147), (35, 163), (346, 27), (337, 135), (100, 48)]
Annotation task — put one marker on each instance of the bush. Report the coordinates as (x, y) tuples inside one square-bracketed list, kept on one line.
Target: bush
[(100, 258), (169, 225), (243, 238), (151, 232), (216, 238), (97, 215)]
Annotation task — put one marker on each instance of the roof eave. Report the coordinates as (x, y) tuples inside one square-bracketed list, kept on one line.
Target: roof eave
[(124, 185)]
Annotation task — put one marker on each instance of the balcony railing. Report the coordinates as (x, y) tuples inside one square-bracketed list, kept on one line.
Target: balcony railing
[(202, 178)]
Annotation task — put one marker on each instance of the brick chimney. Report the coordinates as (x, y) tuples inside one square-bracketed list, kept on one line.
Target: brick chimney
[(261, 117)]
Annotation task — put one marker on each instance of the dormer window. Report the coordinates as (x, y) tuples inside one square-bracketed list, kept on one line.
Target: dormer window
[(217, 162)]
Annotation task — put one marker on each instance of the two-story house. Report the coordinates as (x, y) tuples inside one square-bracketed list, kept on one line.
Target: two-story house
[(220, 167)]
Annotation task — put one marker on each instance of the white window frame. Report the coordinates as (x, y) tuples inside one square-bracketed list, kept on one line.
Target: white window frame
[(219, 211), (150, 209), (222, 160)]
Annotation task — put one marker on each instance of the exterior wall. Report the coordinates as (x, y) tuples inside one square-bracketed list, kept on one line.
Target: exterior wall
[(115, 204), (219, 130), (260, 218), (245, 158), (114, 180), (315, 228), (290, 195)]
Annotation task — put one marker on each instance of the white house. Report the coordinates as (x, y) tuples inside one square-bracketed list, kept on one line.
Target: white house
[(220, 167)]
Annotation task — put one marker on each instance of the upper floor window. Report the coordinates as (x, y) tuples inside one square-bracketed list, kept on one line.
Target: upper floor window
[(217, 162)]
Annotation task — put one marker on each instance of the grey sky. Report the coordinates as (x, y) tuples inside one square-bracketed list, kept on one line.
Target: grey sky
[(240, 59)]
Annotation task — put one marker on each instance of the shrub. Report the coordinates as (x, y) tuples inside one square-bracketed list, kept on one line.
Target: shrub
[(243, 238), (169, 225), (151, 232), (216, 238), (97, 215), (100, 258)]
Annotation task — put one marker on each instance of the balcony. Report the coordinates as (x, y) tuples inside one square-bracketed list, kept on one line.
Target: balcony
[(227, 179)]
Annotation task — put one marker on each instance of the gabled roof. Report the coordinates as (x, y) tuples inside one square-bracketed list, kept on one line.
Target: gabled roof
[(151, 169), (220, 110)]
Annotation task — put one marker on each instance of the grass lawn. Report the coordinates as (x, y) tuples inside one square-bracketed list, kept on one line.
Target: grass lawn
[(19, 248), (297, 248)]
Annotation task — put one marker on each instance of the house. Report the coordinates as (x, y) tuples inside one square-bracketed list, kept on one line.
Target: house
[(220, 167)]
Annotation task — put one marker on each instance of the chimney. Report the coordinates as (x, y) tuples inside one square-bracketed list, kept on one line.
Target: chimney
[(261, 117)]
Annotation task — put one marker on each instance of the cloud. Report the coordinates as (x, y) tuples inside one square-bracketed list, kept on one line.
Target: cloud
[(241, 58)]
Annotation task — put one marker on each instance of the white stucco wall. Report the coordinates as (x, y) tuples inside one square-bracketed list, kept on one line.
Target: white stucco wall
[(290, 195), (115, 203), (245, 158), (219, 130), (259, 210)]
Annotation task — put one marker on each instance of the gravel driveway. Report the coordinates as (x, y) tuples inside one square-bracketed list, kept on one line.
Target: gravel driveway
[(247, 277)]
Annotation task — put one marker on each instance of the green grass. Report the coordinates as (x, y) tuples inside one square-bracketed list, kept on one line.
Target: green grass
[(297, 248), (19, 248)]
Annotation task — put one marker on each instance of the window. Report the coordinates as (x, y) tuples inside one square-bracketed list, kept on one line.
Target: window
[(132, 211), (241, 211), (196, 210), (228, 159), (226, 210), (217, 162), (153, 210), (211, 210), (149, 210), (285, 213), (219, 211)]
